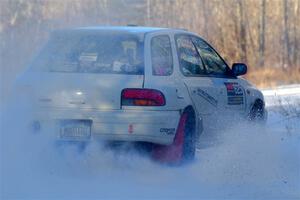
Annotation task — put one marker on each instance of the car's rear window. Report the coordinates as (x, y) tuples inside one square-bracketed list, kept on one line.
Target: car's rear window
[(92, 53)]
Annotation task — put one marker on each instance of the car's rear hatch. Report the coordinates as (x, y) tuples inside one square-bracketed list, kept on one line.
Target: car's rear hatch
[(91, 91), (87, 69)]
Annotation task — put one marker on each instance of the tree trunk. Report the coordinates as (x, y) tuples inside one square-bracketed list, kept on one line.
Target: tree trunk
[(243, 39), (249, 32), (286, 34), (148, 11), (262, 34), (205, 17), (296, 22)]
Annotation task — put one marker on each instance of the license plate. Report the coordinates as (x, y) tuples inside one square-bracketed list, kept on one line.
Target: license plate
[(75, 130)]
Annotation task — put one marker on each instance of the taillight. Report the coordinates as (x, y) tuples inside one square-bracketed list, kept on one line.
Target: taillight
[(142, 97)]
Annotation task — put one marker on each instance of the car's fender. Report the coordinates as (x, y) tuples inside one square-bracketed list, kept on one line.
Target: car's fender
[(252, 94)]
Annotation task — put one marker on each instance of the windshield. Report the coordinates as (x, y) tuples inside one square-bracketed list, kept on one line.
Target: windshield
[(91, 53)]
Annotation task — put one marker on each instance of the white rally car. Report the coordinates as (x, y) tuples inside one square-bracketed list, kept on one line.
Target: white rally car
[(156, 85)]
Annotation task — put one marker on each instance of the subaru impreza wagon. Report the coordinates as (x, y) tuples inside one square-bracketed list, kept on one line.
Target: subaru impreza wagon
[(161, 86)]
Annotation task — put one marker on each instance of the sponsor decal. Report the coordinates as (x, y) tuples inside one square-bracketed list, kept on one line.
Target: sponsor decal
[(168, 131), (235, 94), (206, 96)]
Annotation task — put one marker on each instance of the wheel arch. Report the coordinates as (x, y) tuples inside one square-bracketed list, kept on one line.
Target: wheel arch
[(198, 126), (258, 101)]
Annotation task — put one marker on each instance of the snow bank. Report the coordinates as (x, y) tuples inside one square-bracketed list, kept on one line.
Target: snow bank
[(283, 90)]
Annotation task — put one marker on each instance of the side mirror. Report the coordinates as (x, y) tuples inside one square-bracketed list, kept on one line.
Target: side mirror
[(239, 69)]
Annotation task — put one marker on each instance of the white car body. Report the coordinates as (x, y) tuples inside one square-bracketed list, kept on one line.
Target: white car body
[(96, 97)]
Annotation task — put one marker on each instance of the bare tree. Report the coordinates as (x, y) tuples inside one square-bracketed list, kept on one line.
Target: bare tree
[(296, 54), (148, 11), (205, 17), (242, 33), (286, 34), (262, 26)]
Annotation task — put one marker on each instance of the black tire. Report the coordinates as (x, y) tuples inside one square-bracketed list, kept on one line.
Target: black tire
[(189, 148), (257, 113)]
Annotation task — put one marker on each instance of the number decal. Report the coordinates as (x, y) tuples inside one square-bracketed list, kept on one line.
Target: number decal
[(235, 94)]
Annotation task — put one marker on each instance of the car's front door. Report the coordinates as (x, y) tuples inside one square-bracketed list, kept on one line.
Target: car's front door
[(232, 94), (204, 91)]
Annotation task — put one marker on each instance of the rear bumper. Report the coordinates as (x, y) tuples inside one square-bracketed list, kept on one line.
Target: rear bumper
[(117, 125)]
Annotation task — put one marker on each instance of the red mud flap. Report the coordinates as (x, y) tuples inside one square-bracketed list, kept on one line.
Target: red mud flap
[(173, 153)]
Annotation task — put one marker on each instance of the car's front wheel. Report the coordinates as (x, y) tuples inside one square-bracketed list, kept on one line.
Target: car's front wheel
[(258, 113), (183, 148)]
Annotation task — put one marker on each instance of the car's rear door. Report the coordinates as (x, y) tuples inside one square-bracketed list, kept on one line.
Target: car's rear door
[(204, 91), (159, 68)]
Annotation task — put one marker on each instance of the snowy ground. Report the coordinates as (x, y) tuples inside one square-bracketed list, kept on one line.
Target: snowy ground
[(244, 162)]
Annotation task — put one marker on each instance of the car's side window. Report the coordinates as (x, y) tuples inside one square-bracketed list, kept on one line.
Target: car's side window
[(189, 59), (214, 64), (161, 56)]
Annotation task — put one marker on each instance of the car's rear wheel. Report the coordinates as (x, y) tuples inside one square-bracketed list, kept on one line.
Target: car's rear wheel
[(183, 148)]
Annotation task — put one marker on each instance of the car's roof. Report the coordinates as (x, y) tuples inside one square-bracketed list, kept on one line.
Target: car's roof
[(139, 31), (132, 29), (121, 29)]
